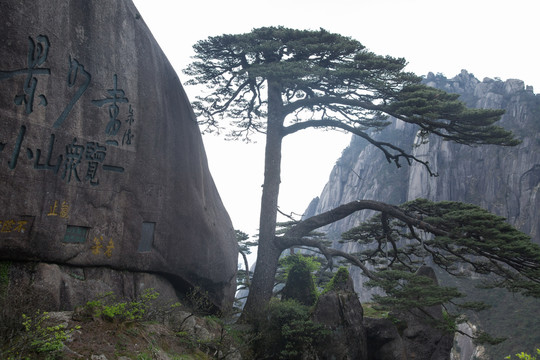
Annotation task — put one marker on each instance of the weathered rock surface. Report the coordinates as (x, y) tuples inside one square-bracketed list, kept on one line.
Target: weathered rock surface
[(101, 159), (55, 287), (341, 312), (384, 341)]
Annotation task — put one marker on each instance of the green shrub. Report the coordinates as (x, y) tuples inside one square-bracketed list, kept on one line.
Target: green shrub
[(108, 308), (300, 285), (374, 311), (287, 331), (40, 336), (525, 356), (338, 281), (199, 302)]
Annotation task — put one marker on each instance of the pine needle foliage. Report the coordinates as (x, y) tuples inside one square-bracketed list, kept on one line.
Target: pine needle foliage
[(466, 240), (325, 80)]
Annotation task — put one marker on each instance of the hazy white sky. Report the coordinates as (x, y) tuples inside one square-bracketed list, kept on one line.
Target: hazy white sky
[(489, 38)]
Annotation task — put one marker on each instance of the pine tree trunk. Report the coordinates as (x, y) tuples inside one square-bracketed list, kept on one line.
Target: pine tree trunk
[(268, 252)]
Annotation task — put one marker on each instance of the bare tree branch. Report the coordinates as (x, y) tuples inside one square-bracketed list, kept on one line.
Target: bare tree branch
[(328, 253), (304, 227), (383, 146)]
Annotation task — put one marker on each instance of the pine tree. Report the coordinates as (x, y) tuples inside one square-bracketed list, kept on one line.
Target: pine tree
[(278, 81)]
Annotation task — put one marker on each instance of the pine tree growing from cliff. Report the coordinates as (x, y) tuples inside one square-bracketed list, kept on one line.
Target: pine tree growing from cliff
[(279, 81)]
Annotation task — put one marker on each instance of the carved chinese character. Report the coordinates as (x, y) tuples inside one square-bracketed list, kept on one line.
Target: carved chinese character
[(74, 69), (20, 227), (74, 154), (64, 210), (110, 247), (116, 96), (47, 165), (95, 154), (7, 226), (36, 56), (96, 248), (53, 208)]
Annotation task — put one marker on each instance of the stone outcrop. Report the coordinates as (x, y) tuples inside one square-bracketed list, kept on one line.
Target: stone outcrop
[(505, 181), (417, 336), (299, 285), (352, 336), (101, 160), (383, 340), (340, 311), (417, 341)]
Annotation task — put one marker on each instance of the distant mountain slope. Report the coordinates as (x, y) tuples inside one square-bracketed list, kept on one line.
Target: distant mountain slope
[(503, 180)]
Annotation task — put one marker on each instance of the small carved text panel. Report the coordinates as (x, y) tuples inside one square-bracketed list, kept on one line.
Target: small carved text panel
[(16, 226), (75, 234), (147, 236)]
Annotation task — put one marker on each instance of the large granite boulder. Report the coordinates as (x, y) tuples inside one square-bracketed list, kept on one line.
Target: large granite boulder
[(101, 159)]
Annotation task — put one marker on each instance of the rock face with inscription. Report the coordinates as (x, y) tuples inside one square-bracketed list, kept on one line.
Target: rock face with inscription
[(101, 159)]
